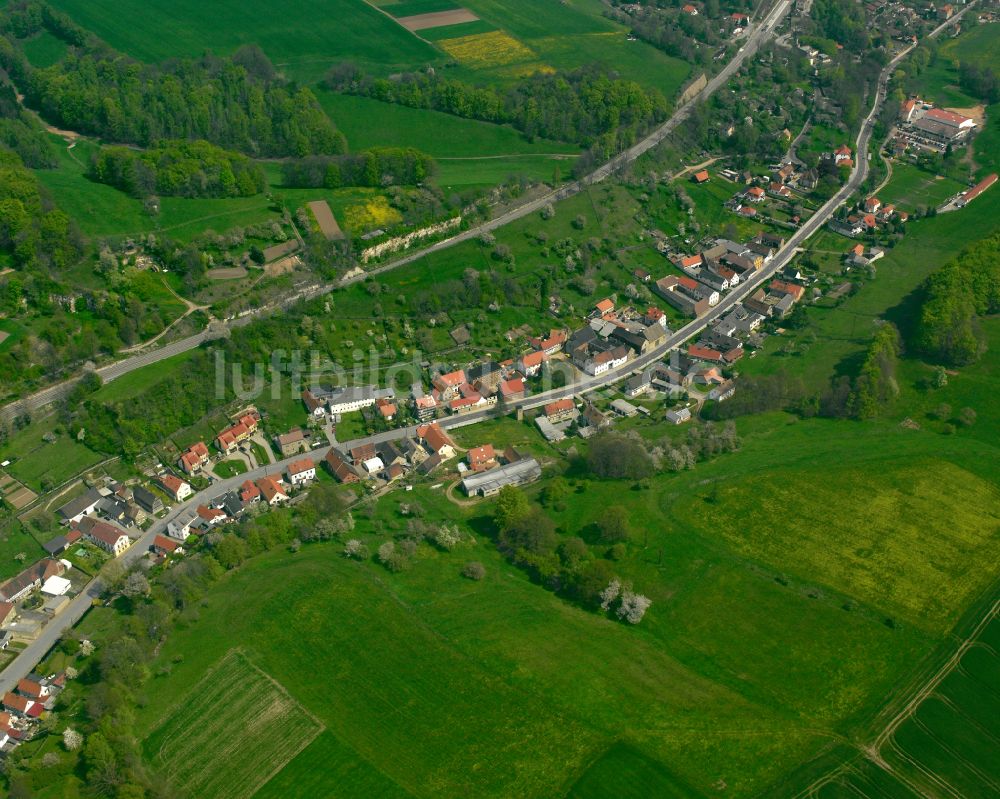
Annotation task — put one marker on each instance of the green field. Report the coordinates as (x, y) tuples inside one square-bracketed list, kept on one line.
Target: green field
[(369, 123), (304, 40), (911, 188), (947, 746), (842, 332), (195, 749), (35, 459), (15, 541), (768, 637), (44, 50), (141, 380)]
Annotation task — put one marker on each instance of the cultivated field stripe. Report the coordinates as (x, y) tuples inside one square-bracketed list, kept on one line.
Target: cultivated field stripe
[(234, 730), (437, 19)]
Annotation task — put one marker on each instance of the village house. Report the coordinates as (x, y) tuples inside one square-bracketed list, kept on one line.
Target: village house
[(447, 384), (249, 493), (560, 410), (147, 500), (386, 409), (21, 705), (164, 547), (529, 365), (436, 440), (698, 353), (210, 517), (482, 458), (362, 453), (76, 509), (605, 361), (485, 377), (843, 156), (107, 536), (180, 526), (512, 389), (340, 468), (550, 345), (604, 307), (679, 416), (178, 489), (301, 472), (354, 398), (315, 405), (272, 491), (194, 458), (229, 439), (723, 391), (670, 289), (755, 194), (700, 177), (31, 579), (637, 384), (291, 443), (425, 407)]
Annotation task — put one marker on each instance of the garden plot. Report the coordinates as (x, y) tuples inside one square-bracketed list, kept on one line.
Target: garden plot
[(437, 19)]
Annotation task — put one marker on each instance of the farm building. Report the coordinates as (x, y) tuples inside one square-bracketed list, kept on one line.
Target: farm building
[(486, 484)]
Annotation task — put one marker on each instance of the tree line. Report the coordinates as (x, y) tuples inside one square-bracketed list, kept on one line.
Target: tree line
[(585, 106), (979, 80), (18, 134), (953, 299), (238, 102), (33, 233), (179, 169), (379, 166)]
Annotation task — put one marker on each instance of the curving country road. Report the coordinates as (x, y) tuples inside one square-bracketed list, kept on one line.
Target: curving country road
[(34, 652)]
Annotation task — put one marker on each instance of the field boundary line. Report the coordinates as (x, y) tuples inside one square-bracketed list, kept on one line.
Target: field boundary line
[(238, 653)]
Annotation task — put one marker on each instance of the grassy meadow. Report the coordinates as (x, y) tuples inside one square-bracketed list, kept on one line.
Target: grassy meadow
[(774, 631), (911, 188), (194, 746), (304, 40)]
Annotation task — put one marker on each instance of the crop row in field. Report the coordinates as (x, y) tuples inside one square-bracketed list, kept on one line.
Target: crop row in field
[(198, 747)]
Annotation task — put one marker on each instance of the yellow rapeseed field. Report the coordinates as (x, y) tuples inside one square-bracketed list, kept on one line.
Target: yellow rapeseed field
[(374, 212), (486, 50)]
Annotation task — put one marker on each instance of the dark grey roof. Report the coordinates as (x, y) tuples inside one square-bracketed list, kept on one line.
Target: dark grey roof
[(77, 506)]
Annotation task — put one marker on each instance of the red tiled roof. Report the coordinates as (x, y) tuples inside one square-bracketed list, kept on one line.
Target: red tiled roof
[(704, 353), (103, 532), (452, 379), (270, 488), (29, 688), (171, 483), (748, 211), (299, 466), (787, 288), (947, 116), (534, 359), (559, 406), (248, 491), (755, 191), (482, 454), (464, 402), (435, 438), (210, 514), (702, 176), (509, 387), (605, 305), (15, 702), (691, 260), (162, 543), (425, 403), (340, 468)]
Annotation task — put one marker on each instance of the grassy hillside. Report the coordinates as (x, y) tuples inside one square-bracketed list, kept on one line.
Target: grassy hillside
[(774, 631)]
